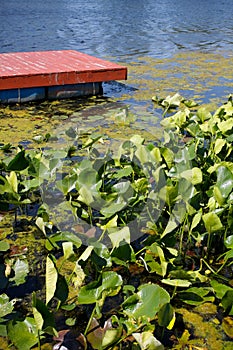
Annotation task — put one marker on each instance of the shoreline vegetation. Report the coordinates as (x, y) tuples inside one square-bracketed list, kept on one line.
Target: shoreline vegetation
[(121, 249)]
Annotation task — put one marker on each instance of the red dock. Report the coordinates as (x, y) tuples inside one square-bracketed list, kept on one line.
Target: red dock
[(26, 76)]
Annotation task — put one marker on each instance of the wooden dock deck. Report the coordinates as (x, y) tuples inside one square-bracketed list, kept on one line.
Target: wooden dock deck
[(28, 76)]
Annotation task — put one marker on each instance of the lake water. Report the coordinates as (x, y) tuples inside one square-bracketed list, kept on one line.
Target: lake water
[(168, 46), (123, 29)]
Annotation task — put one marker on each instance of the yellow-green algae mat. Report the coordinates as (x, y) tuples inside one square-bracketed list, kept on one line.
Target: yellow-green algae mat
[(205, 77)]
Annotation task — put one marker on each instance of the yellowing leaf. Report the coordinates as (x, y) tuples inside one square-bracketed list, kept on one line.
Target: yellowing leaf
[(51, 279), (219, 144), (193, 175), (12, 180), (212, 222)]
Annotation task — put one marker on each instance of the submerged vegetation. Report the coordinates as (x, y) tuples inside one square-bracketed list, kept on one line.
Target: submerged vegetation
[(121, 249)]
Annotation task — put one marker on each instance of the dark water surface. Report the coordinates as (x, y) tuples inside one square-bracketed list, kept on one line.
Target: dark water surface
[(169, 46), (123, 29)]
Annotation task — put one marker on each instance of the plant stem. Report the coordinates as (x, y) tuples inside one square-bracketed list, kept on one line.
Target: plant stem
[(174, 292), (182, 235), (39, 343), (89, 321), (212, 270)]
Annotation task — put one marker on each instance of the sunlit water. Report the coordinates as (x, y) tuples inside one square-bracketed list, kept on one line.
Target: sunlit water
[(123, 29)]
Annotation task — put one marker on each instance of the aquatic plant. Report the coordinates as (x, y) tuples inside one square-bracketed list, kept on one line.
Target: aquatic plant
[(130, 236)]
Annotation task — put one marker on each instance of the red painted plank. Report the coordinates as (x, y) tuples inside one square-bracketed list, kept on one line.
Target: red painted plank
[(48, 68)]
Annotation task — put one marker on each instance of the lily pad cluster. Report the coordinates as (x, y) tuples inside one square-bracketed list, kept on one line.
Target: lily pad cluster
[(130, 236)]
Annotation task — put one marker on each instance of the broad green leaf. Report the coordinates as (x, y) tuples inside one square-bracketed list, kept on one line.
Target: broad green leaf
[(125, 172), (21, 270), (119, 237), (137, 139), (43, 317), (171, 225), (70, 237), (38, 318), (153, 252), (168, 156), (62, 289), (156, 154), (90, 293), (30, 184), (41, 225), (112, 223), (147, 341), (142, 154), (63, 236), (186, 189), (203, 114), (212, 222), (213, 168), (108, 285), (67, 249), (226, 125), (229, 242), (212, 203), (51, 277), (196, 276), (6, 306), (13, 181), (88, 177), (180, 117), (225, 110), (219, 288), (196, 220), (180, 211), (179, 274), (87, 252), (172, 101), (23, 334), (101, 338), (19, 162), (67, 184), (218, 198), (196, 296), (123, 254), (124, 189), (154, 266), (113, 208), (190, 103), (111, 336), (168, 122), (219, 144), (176, 282), (193, 175), (86, 195), (4, 246), (165, 315), (147, 302), (224, 181), (3, 333), (78, 276), (101, 255), (227, 302)]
